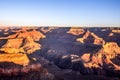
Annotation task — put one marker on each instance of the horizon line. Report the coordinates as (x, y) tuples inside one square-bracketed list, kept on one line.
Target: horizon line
[(51, 26)]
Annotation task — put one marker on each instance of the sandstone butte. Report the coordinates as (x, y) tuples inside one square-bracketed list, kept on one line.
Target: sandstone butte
[(36, 35), (30, 46), (90, 37), (14, 43), (20, 59), (20, 44), (76, 31), (104, 57), (116, 31), (23, 42)]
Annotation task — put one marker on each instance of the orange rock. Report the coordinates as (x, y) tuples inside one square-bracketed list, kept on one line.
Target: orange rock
[(111, 34), (99, 41), (20, 59), (85, 57), (30, 46), (22, 42), (116, 31), (36, 35), (111, 48), (12, 50), (91, 38), (76, 31), (107, 56), (14, 43)]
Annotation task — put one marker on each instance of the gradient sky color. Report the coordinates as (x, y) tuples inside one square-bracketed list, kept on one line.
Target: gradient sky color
[(60, 13)]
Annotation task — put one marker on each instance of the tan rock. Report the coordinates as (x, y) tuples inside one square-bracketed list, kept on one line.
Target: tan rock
[(76, 31), (30, 46), (14, 43), (20, 59), (91, 38), (12, 50), (111, 48), (116, 31), (85, 57), (111, 34), (36, 35)]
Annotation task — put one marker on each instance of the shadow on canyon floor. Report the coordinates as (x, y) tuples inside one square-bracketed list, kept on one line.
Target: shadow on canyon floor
[(63, 54)]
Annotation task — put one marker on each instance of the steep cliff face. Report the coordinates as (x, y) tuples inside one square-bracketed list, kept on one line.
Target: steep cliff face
[(104, 59), (66, 53), (14, 57), (22, 42), (30, 46), (90, 56), (14, 43), (35, 35), (76, 31), (20, 59), (91, 38)]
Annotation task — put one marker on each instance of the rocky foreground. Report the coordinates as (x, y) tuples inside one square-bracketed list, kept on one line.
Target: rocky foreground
[(57, 53)]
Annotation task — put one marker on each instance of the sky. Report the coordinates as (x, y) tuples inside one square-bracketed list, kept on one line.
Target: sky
[(94, 13)]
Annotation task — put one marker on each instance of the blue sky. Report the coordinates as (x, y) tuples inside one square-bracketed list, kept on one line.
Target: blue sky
[(60, 12)]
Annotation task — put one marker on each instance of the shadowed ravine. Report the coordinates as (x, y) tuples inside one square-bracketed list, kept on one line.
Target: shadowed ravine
[(57, 53)]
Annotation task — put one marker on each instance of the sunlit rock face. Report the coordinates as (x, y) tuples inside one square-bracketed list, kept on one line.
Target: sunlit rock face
[(76, 31), (85, 57), (111, 48), (116, 31), (30, 46), (91, 38), (12, 50), (35, 35), (22, 42), (63, 54), (14, 43), (20, 59), (104, 59), (14, 57)]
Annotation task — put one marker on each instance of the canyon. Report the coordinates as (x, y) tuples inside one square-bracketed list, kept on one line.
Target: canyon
[(59, 53)]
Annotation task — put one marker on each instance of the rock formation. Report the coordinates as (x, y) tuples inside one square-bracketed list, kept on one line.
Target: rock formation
[(104, 58), (23, 42), (12, 50), (116, 31), (23, 55), (14, 43), (76, 31), (30, 46), (85, 57), (35, 35), (91, 38), (20, 59)]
